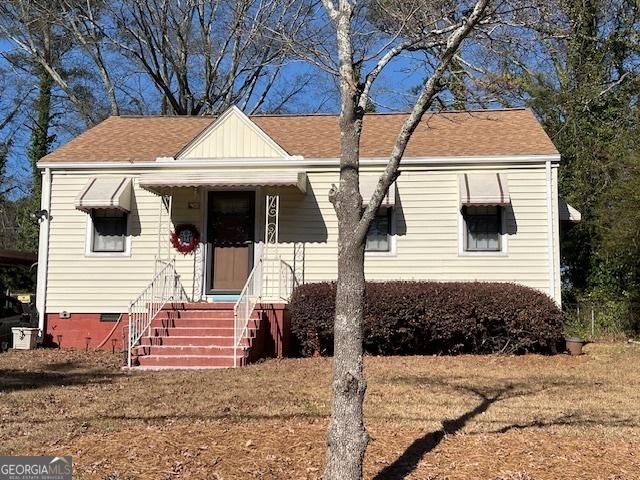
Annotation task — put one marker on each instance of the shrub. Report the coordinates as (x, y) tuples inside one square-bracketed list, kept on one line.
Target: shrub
[(413, 318)]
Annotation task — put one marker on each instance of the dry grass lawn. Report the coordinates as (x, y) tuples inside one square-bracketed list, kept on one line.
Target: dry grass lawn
[(466, 417)]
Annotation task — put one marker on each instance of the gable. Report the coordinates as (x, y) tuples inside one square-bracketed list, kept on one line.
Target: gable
[(233, 135)]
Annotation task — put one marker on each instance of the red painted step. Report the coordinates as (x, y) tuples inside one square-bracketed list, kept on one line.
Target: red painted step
[(193, 322), (200, 322), (197, 314), (200, 306), (192, 331), (189, 350), (182, 361), (195, 341), (195, 335)]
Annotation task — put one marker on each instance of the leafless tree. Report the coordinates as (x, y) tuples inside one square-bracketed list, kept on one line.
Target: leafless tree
[(81, 19), (204, 56), (35, 27), (201, 56), (365, 37), (60, 39)]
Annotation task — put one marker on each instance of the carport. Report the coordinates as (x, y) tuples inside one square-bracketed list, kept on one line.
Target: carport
[(10, 258)]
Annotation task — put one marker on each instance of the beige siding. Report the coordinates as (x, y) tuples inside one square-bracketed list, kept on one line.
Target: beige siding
[(426, 245), (78, 282), (427, 225), (233, 136)]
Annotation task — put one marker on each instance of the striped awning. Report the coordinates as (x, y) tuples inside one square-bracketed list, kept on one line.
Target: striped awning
[(105, 193), (484, 189), (368, 185), (160, 183), (568, 213)]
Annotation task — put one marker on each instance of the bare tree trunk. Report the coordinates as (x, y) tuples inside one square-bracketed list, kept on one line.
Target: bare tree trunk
[(347, 437)]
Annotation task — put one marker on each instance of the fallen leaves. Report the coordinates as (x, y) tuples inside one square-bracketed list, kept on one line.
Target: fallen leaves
[(430, 418)]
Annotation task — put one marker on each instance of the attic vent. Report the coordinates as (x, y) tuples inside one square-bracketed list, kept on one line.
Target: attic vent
[(109, 317)]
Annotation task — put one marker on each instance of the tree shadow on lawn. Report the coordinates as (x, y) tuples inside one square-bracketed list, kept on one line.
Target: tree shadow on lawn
[(408, 461), (411, 457), (58, 376)]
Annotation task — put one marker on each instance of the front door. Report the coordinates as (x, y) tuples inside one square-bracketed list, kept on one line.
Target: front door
[(230, 237)]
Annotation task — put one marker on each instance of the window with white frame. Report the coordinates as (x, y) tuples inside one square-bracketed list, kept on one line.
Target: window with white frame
[(109, 231), (482, 228), (379, 234)]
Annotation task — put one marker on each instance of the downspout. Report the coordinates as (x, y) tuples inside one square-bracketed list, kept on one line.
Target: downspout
[(43, 250), (550, 231)]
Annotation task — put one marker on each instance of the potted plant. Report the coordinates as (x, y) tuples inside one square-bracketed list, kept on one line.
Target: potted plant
[(574, 336), (574, 345)]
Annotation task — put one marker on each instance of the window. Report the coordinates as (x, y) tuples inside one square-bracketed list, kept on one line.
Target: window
[(482, 228), (379, 234), (109, 231)]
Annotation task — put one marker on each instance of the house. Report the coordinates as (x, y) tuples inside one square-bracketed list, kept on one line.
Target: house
[(184, 236)]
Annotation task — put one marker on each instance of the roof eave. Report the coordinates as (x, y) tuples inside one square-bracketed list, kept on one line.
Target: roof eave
[(297, 161)]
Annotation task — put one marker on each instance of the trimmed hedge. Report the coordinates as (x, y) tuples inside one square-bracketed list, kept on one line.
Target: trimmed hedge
[(417, 318)]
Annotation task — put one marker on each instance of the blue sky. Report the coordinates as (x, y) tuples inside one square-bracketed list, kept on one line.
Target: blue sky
[(392, 93)]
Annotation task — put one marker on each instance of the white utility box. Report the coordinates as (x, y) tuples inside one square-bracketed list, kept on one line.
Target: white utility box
[(24, 338)]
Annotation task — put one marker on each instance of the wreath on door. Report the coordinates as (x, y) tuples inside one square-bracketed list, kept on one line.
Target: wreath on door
[(185, 238)]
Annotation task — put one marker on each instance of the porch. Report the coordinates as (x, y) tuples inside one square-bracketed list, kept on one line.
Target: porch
[(237, 220), (231, 310)]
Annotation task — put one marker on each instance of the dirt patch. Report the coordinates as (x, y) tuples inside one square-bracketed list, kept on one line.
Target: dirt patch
[(466, 417)]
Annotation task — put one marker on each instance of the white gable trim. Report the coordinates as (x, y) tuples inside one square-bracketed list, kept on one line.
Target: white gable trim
[(219, 122)]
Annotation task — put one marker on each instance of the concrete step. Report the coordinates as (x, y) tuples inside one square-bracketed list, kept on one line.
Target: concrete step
[(195, 341), (185, 361)]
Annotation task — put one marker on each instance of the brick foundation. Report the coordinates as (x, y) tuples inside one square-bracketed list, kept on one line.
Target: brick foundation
[(73, 332), (273, 339)]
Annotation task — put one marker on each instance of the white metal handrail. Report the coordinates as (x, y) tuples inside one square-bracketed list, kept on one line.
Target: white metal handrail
[(288, 280), (253, 293), (164, 287), (246, 304)]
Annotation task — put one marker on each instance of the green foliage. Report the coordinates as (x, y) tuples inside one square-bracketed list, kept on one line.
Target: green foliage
[(602, 320), (18, 231), (18, 279), (41, 141), (580, 77), (4, 179)]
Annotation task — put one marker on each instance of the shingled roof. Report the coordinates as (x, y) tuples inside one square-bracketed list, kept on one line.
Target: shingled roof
[(450, 134)]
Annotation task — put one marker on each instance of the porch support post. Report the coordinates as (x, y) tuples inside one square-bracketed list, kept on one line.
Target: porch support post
[(166, 202), (271, 232)]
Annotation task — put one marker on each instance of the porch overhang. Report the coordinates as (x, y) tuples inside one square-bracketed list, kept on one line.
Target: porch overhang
[(161, 183)]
